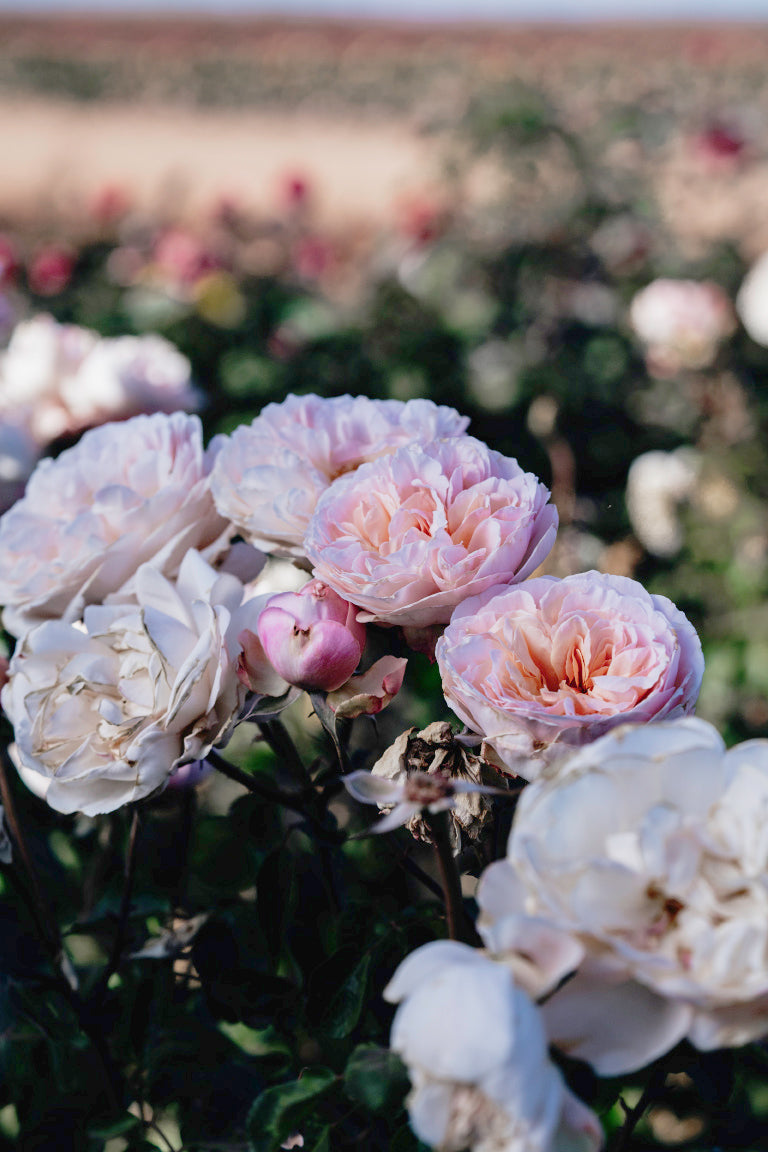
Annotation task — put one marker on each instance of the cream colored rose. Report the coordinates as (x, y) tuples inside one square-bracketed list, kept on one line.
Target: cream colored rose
[(642, 862), (105, 710)]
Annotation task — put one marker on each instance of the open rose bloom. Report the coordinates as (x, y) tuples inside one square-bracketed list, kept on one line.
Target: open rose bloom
[(106, 710), (560, 662), (125, 495), (271, 473), (642, 864), (409, 536), (476, 1053)]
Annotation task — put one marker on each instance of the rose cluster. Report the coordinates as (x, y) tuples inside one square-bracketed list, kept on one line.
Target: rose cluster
[(150, 622)]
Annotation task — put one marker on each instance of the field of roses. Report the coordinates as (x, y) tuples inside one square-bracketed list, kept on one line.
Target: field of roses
[(385, 691)]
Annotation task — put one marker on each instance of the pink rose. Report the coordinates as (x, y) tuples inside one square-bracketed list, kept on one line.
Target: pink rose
[(566, 660), (271, 473), (125, 495), (409, 536)]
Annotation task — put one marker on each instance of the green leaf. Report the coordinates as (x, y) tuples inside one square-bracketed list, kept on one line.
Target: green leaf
[(376, 1078), (345, 1005), (323, 1142), (278, 1112)]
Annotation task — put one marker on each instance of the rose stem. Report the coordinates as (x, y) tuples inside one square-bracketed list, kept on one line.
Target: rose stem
[(129, 873), (44, 922), (634, 1115), (458, 926), (275, 795), (277, 737)]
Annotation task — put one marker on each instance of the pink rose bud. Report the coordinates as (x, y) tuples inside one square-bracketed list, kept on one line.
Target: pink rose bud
[(312, 637)]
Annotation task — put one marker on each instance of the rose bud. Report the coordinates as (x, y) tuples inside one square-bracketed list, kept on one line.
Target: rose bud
[(312, 637)]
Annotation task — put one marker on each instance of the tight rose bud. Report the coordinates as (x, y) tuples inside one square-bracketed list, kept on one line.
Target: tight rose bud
[(312, 637)]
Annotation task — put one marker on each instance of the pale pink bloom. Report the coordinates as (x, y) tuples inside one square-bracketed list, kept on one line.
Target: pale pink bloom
[(564, 661), (409, 536), (106, 709), (476, 1052), (641, 863), (271, 473), (125, 376), (681, 323), (312, 637), (42, 359), (372, 690), (63, 378), (126, 494)]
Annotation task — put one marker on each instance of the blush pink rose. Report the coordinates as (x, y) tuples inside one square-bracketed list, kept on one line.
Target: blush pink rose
[(125, 495), (270, 474), (564, 661), (409, 536)]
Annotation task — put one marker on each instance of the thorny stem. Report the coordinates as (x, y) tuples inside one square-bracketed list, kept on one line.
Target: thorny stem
[(459, 927)]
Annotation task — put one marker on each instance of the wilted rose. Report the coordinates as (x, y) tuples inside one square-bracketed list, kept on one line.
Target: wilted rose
[(270, 474), (647, 851), (435, 752), (104, 711), (564, 661), (409, 536), (126, 494), (476, 1053)]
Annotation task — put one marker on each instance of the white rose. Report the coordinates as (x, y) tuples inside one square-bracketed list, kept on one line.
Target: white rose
[(105, 710), (647, 855), (125, 495), (476, 1053)]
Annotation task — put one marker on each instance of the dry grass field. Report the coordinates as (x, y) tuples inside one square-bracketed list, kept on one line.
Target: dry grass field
[(180, 112)]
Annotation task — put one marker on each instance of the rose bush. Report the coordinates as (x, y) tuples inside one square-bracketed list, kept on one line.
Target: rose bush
[(642, 862), (271, 473), (125, 495), (105, 711), (562, 661), (409, 536)]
